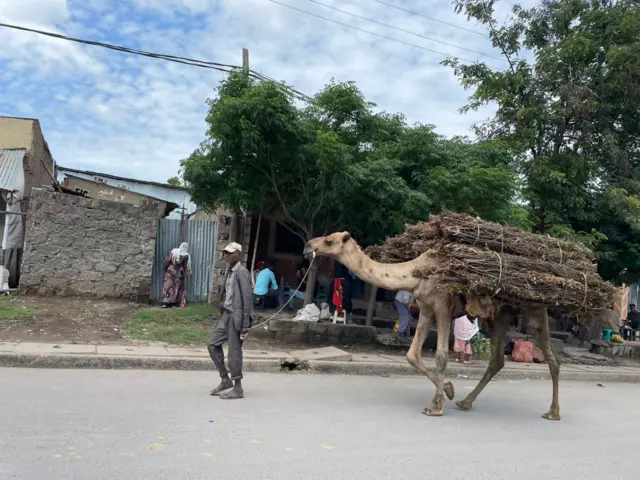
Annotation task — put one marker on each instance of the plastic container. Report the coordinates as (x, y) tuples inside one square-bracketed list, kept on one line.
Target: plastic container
[(606, 334)]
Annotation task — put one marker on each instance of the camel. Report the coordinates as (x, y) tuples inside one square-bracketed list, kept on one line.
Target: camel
[(438, 304)]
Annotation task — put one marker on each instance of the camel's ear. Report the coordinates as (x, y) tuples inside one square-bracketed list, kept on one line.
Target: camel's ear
[(346, 238)]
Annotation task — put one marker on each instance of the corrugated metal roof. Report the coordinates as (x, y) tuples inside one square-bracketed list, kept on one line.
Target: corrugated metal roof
[(171, 206), (12, 169), (62, 169)]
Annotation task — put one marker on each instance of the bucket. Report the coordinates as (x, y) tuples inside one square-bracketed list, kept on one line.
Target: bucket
[(606, 334)]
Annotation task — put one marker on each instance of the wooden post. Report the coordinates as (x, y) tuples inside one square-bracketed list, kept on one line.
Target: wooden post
[(245, 60), (255, 249), (311, 283), (281, 291), (371, 307), (182, 224)]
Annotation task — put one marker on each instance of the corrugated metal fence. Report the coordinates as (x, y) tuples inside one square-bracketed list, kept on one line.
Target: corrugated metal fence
[(201, 237)]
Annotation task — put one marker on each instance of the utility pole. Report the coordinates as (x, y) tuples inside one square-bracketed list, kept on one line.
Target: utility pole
[(245, 60), (236, 233)]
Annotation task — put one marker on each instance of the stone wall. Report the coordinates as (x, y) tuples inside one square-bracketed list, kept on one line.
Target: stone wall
[(77, 246), (310, 333)]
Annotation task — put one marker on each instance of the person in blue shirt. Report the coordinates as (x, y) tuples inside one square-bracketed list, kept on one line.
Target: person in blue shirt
[(266, 284)]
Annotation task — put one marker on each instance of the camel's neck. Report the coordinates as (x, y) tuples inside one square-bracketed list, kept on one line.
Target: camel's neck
[(390, 276)]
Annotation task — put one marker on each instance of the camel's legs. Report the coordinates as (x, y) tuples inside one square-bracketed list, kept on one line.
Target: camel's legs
[(539, 322), (442, 312), (414, 356), (498, 333)]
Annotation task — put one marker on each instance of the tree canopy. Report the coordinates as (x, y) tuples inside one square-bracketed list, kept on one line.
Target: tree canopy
[(174, 181), (337, 163), (568, 108)]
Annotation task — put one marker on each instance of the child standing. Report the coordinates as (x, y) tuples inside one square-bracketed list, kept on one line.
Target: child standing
[(464, 329), (403, 303)]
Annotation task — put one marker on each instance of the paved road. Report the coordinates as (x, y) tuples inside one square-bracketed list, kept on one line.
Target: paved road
[(67, 424)]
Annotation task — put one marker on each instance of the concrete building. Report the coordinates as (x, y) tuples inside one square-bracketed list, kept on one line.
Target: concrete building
[(38, 164), (156, 190), (25, 163), (103, 191)]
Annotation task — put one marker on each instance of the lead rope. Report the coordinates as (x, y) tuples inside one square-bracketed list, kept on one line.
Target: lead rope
[(242, 337)]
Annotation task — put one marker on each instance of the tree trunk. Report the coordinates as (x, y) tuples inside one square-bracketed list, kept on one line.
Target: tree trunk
[(371, 307), (311, 282), (255, 250)]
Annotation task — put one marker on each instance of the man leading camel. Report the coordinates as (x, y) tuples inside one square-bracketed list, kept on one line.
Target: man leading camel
[(236, 303)]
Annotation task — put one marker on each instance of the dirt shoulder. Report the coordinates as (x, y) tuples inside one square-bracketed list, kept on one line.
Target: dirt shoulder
[(83, 321), (65, 320)]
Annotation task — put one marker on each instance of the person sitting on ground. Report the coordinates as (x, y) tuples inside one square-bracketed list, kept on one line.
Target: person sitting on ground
[(266, 285), (465, 327)]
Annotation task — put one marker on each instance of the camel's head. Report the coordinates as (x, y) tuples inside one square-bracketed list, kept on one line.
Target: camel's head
[(332, 245)]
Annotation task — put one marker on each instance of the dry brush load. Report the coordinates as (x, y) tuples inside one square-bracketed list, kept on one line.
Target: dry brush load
[(516, 267)]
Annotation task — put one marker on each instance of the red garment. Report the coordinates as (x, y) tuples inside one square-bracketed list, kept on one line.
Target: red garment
[(337, 294)]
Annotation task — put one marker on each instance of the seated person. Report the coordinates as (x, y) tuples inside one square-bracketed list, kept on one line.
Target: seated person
[(259, 267), (301, 274), (266, 285), (632, 323)]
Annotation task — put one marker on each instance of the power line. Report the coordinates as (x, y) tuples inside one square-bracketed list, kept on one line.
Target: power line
[(367, 31), (296, 93), (404, 30), (170, 58), (431, 18)]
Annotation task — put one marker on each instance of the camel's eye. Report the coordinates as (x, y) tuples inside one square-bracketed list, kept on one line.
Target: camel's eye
[(328, 243)]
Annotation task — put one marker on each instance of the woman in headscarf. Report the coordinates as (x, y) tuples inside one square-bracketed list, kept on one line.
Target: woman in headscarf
[(177, 268)]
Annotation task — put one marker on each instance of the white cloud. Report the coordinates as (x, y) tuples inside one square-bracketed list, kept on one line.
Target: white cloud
[(138, 117), (45, 55), (34, 11)]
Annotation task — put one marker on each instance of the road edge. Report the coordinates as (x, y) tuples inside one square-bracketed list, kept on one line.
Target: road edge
[(112, 362)]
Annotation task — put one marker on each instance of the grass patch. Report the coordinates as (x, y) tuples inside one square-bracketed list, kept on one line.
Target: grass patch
[(11, 311), (176, 326)]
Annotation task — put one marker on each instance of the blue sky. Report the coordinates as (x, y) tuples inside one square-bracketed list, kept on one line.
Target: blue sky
[(138, 117)]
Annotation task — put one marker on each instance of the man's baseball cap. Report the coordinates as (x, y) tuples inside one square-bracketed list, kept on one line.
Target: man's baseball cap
[(233, 247)]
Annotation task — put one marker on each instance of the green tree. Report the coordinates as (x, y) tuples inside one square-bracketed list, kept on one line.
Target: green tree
[(174, 181), (337, 164), (571, 115), (265, 155)]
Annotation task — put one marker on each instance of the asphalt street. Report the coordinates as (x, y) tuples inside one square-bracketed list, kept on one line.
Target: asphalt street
[(99, 424)]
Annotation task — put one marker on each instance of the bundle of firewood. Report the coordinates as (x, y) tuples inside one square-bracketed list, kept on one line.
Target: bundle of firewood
[(484, 258)]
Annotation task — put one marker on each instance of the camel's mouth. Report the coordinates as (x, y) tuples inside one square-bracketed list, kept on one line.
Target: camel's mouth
[(309, 250)]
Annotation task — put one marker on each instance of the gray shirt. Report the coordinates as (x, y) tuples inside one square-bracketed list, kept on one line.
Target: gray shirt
[(229, 288)]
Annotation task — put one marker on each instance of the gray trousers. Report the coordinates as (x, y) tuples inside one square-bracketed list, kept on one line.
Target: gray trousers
[(405, 317), (225, 331)]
